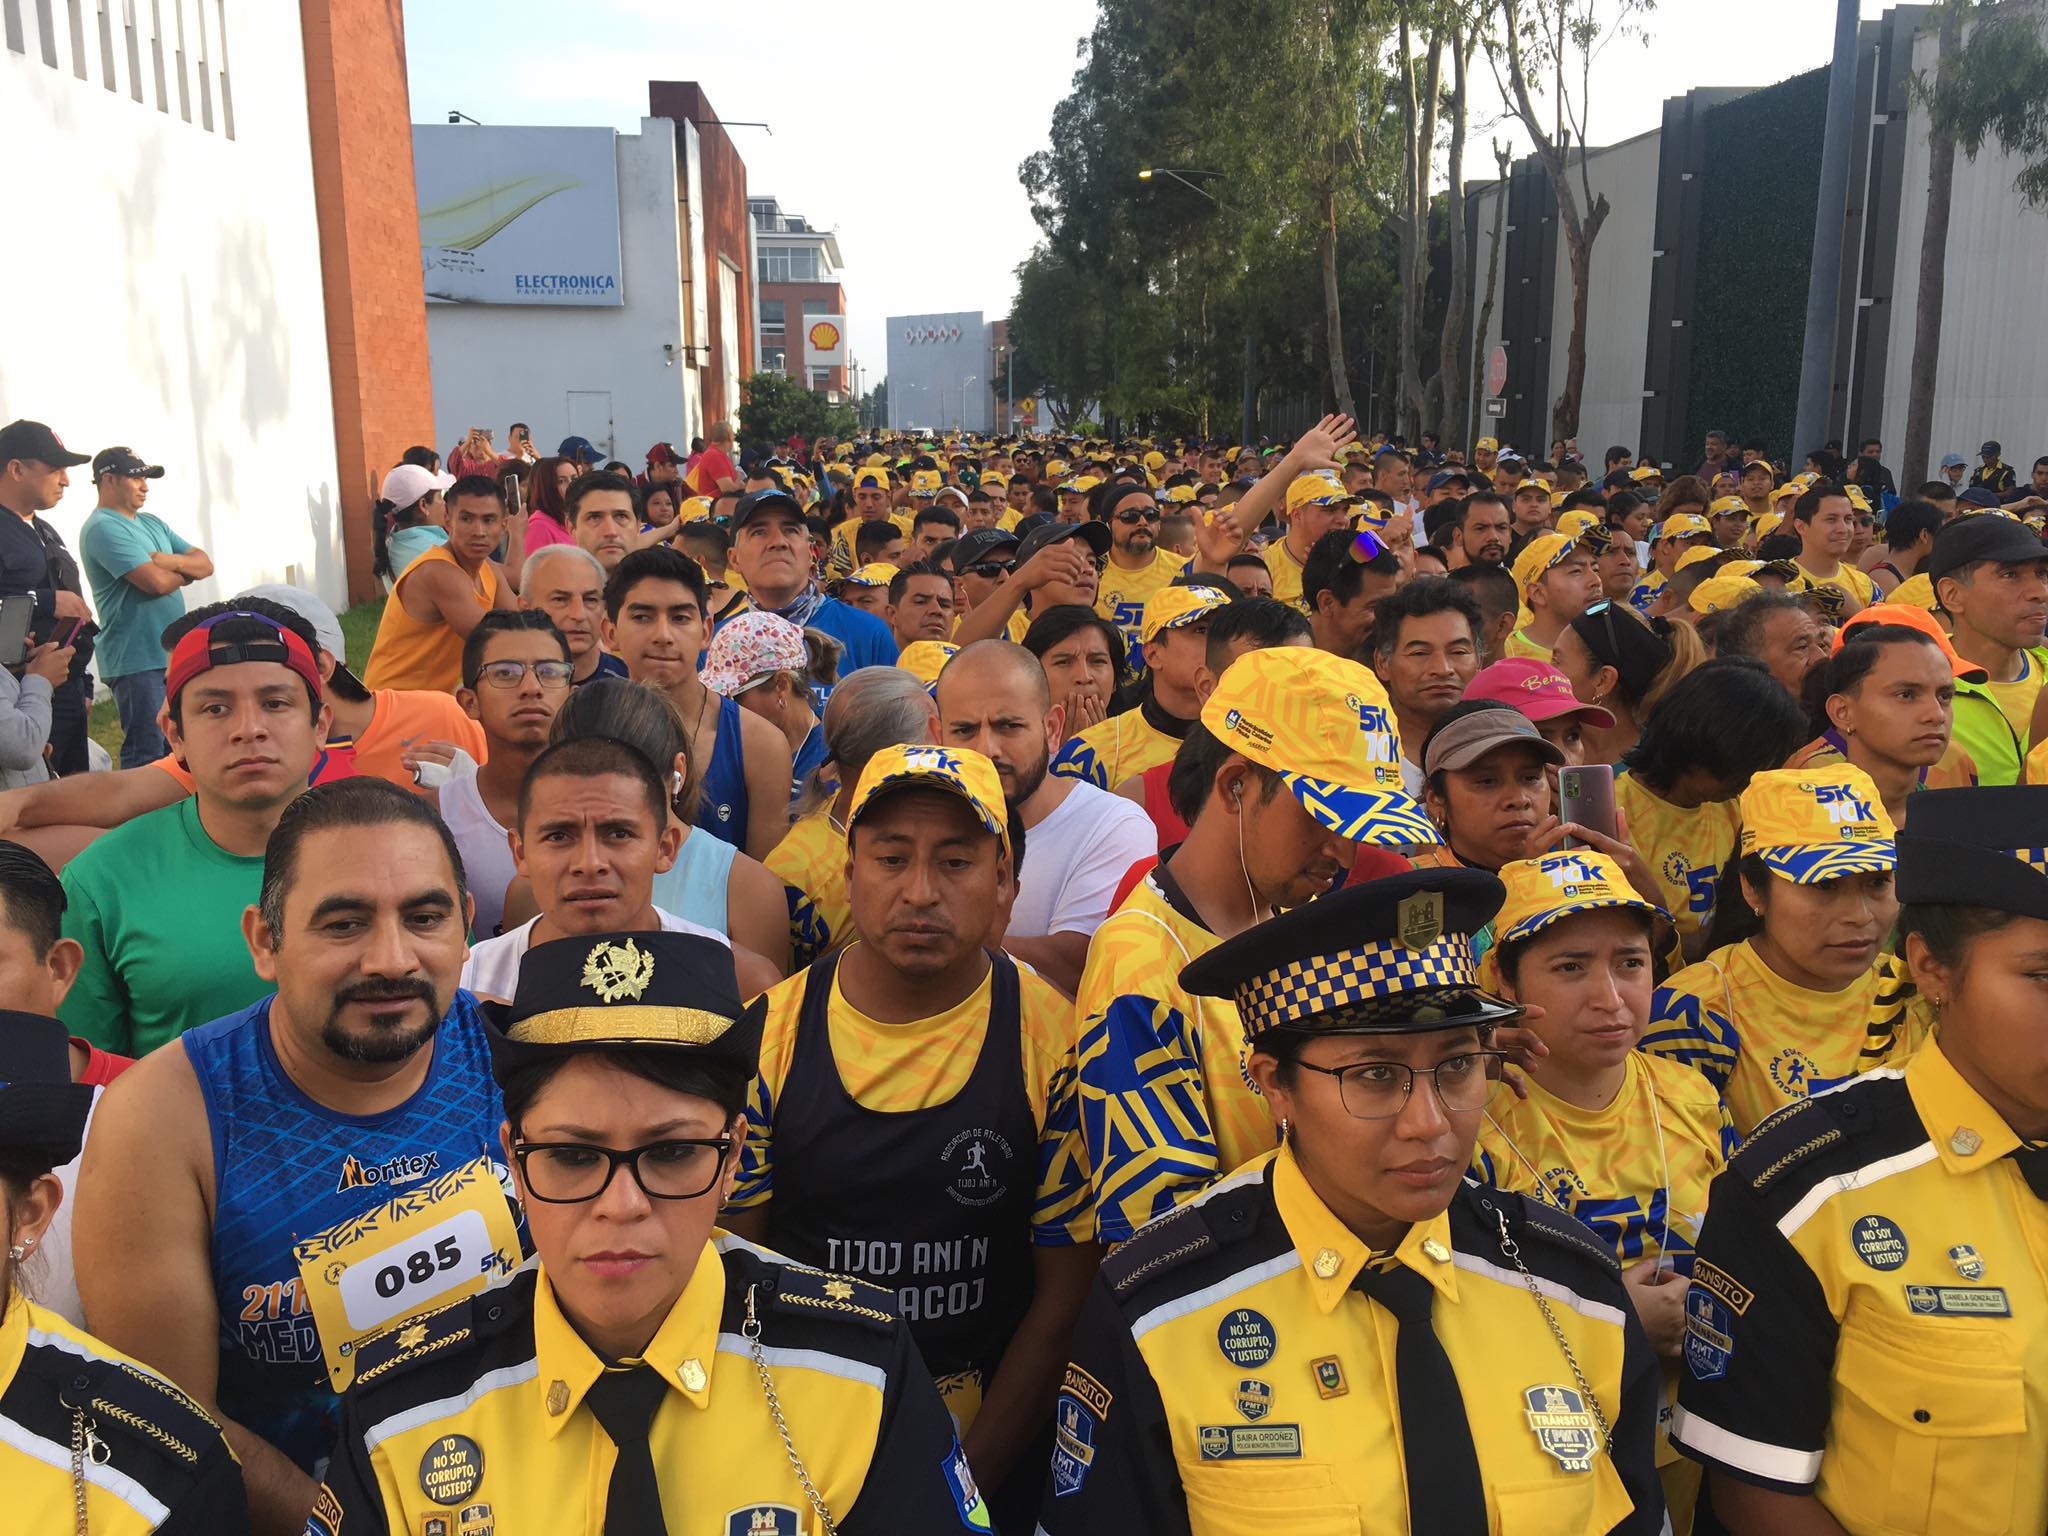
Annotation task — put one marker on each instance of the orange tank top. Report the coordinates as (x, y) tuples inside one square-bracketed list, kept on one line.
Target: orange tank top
[(410, 653)]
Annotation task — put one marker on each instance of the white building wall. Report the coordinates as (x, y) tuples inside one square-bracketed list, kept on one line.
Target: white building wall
[(939, 384), (167, 292), (1991, 378), (499, 363), (1617, 299)]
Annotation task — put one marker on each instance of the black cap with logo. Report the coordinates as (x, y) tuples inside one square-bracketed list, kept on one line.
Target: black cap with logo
[(33, 440), (124, 461)]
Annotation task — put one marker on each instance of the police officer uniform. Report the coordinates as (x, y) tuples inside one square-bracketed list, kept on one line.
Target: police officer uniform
[(1248, 1364), (1868, 1319), (778, 1400), (90, 1442)]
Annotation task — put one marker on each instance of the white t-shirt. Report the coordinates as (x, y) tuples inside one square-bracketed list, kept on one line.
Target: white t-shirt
[(52, 1279), (1073, 860), (487, 864), (492, 969)]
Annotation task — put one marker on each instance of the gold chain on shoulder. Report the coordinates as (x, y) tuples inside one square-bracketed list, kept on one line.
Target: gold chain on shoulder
[(751, 1331), (1513, 1250)]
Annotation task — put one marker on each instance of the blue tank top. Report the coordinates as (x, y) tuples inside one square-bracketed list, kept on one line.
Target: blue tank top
[(285, 1168), (722, 807), (695, 885)]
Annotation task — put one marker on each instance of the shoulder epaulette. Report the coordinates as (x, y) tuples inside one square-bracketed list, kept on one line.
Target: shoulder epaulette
[(1806, 1140), (1226, 1214), (149, 1429), (1531, 1218), (809, 1292), (429, 1336)]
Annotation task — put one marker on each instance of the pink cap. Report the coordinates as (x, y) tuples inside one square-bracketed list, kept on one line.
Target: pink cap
[(1536, 688)]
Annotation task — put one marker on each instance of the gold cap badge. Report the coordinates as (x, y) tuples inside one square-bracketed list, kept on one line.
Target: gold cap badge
[(615, 971)]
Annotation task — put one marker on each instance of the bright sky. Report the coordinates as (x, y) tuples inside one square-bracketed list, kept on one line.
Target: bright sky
[(955, 94)]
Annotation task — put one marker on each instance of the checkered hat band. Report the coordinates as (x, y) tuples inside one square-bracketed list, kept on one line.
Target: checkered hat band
[(1816, 862), (2034, 858), (1326, 983)]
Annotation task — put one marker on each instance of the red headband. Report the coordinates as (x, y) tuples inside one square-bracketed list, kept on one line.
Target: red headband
[(197, 651)]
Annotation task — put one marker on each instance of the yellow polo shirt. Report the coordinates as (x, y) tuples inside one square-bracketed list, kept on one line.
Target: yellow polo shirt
[(1687, 848), (810, 861), (1120, 598)]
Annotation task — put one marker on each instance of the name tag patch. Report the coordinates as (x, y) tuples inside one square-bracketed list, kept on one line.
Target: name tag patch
[(1075, 1426), (1709, 1334), (1722, 1284), (1562, 1426), (1958, 1300), (1248, 1442)]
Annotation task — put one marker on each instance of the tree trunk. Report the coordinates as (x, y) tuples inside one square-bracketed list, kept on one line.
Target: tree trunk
[(1405, 326), (1941, 176), (1333, 315), (1564, 412), (1504, 158), (1419, 151), (1450, 394)]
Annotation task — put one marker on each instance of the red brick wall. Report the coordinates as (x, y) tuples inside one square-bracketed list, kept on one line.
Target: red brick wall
[(793, 296), (724, 180), (361, 123)]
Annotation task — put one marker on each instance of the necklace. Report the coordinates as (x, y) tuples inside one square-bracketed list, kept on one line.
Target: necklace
[(1663, 1169)]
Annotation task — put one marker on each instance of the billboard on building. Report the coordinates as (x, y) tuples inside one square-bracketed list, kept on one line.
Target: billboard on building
[(825, 341), (518, 215)]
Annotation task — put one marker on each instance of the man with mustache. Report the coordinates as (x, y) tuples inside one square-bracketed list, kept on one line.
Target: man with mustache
[(157, 903), (894, 1127), (220, 1234)]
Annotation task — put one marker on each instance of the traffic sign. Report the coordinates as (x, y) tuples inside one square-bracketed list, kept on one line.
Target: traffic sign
[(1497, 371), (1493, 406)]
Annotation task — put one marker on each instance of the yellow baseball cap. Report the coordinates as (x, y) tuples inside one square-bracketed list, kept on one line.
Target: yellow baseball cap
[(1534, 483), (1718, 592), (1646, 472), (957, 770), (992, 480), (1728, 506), (875, 461), (1767, 523), (1559, 885), (926, 659), (1487, 445), (1696, 554), (1856, 497), (1814, 824), (1319, 487), (1155, 460), (1538, 556), (1055, 468), (926, 482), (1578, 522), (1323, 723), (1082, 483), (877, 574), (1179, 494), (1682, 525), (695, 509), (1176, 608), (871, 476), (1791, 490)]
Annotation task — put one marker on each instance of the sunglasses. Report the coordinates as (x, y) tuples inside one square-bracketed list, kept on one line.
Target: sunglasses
[(1136, 515), (988, 570), (1367, 546)]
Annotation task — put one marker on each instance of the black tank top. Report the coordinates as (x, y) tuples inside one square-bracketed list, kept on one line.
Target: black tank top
[(934, 1204)]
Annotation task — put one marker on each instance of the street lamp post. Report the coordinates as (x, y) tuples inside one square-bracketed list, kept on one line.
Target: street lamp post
[(1181, 175)]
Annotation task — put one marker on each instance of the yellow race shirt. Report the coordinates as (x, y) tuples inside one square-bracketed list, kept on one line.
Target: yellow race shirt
[(1121, 596), (1645, 592), (1161, 1103), (1519, 644), (1635, 1172), (1686, 848), (1856, 583), (1230, 1378), (2016, 698), (1758, 1038), (843, 533), (1868, 1319), (1286, 573), (810, 861), (1119, 748), (893, 1068)]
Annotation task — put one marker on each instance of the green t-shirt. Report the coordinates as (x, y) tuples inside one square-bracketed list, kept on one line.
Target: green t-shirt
[(157, 905), (1984, 723), (132, 622)]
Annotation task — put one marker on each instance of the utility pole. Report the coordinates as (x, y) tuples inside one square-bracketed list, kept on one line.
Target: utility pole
[(1824, 278)]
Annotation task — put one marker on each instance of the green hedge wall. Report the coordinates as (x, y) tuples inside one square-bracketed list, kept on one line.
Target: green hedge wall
[(1761, 183)]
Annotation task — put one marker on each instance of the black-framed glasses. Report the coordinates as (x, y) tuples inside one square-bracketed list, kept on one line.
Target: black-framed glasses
[(988, 570), (1133, 515), (1379, 1090), (574, 1172), (509, 674)]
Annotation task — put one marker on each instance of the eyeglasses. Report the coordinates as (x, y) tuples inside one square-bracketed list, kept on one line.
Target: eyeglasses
[(509, 674), (571, 1173), (1379, 1090), (988, 570), (1138, 515)]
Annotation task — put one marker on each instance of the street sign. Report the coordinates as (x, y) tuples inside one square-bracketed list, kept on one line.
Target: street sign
[(1493, 406), (1497, 371)]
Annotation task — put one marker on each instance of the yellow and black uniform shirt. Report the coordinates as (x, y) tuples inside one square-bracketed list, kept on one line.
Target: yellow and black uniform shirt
[(939, 1182), (1868, 1320), (1159, 1104), (1227, 1380), (476, 1419), (1685, 846), (810, 861), (1123, 746), (1635, 1172), (839, 559), (153, 1461), (1121, 596), (1761, 1040)]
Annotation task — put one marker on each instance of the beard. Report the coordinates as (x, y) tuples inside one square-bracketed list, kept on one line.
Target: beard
[(1021, 782), (382, 1045)]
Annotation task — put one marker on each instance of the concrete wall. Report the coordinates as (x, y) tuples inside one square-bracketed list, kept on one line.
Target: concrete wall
[(601, 372), (1618, 299), (940, 383), (168, 294), (719, 208)]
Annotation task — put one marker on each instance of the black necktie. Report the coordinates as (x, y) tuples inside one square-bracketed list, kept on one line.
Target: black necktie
[(624, 1402), (2033, 1163), (1445, 1494)]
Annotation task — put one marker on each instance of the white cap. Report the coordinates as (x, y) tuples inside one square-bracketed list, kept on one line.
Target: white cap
[(407, 483)]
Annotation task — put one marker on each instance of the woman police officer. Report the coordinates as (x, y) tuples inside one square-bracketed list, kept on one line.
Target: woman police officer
[(1344, 1333), (652, 1376), (89, 1441), (1865, 1346)]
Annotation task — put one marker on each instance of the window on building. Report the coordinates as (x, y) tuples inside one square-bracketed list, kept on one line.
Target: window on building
[(821, 378), (815, 307), (774, 359), (771, 314), (803, 265)]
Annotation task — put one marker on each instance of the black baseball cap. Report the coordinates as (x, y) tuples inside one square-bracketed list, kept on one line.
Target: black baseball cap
[(1094, 535), (1964, 849), (32, 440), (124, 461), (973, 548), (763, 500), (1974, 538)]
